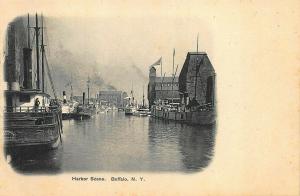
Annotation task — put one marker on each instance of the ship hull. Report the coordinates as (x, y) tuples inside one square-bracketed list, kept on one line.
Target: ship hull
[(194, 117), (66, 116), (32, 130), (86, 113)]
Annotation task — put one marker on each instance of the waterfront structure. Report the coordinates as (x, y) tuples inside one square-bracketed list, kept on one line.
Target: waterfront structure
[(112, 98), (162, 88), (196, 90), (197, 81)]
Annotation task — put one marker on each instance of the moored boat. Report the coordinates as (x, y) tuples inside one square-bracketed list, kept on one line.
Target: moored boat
[(85, 111), (32, 118), (130, 108), (68, 107)]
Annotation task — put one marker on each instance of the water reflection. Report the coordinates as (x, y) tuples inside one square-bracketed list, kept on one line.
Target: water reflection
[(197, 146), (194, 143), (115, 142), (40, 161)]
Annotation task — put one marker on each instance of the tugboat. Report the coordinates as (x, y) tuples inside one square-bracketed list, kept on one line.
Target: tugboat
[(130, 108), (142, 109), (32, 118), (68, 107), (85, 111)]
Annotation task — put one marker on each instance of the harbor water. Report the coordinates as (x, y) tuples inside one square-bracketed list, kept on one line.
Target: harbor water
[(113, 142)]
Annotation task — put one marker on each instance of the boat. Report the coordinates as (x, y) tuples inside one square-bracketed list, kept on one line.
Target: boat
[(68, 107), (130, 108), (142, 110), (85, 111), (32, 118)]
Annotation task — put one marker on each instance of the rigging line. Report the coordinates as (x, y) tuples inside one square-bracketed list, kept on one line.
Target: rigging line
[(33, 39), (46, 35), (50, 78)]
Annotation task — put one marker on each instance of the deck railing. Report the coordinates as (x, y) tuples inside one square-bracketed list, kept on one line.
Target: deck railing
[(31, 109)]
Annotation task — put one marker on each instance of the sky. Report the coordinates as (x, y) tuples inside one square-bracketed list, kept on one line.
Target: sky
[(121, 49)]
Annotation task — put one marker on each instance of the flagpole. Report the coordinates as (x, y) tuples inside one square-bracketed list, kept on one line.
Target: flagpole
[(173, 61), (173, 83), (161, 76), (197, 41), (161, 68)]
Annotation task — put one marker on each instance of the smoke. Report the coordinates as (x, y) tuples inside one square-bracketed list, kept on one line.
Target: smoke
[(139, 72), (76, 70)]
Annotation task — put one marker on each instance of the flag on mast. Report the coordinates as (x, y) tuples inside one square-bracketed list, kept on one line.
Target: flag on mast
[(158, 62)]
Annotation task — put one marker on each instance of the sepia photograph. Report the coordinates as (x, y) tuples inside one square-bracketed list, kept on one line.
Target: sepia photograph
[(70, 108), (128, 97)]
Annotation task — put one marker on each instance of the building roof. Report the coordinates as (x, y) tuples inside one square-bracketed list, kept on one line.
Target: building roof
[(192, 60)]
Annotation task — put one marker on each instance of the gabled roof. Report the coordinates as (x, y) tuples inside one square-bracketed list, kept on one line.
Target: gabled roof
[(191, 59)]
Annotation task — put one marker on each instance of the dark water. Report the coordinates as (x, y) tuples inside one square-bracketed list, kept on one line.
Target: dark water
[(115, 142)]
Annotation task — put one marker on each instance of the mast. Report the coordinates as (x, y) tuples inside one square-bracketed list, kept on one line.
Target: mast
[(132, 98), (28, 32), (161, 71), (88, 85), (173, 61), (143, 97), (173, 82), (162, 80), (43, 53), (36, 28), (71, 98), (197, 41)]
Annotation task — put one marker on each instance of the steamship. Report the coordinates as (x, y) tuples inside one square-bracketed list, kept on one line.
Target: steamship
[(85, 110), (130, 108), (68, 107), (32, 117)]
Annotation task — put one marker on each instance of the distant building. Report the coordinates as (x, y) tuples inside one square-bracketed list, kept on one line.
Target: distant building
[(197, 80), (112, 98), (162, 88)]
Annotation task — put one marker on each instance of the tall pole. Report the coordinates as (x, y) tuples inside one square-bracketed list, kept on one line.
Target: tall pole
[(197, 41), (71, 98), (173, 61), (143, 97), (43, 51), (88, 85), (161, 84), (173, 83), (37, 51), (28, 32)]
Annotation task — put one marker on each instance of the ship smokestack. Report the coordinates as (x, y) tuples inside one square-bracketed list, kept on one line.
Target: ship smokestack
[(83, 97), (64, 97)]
